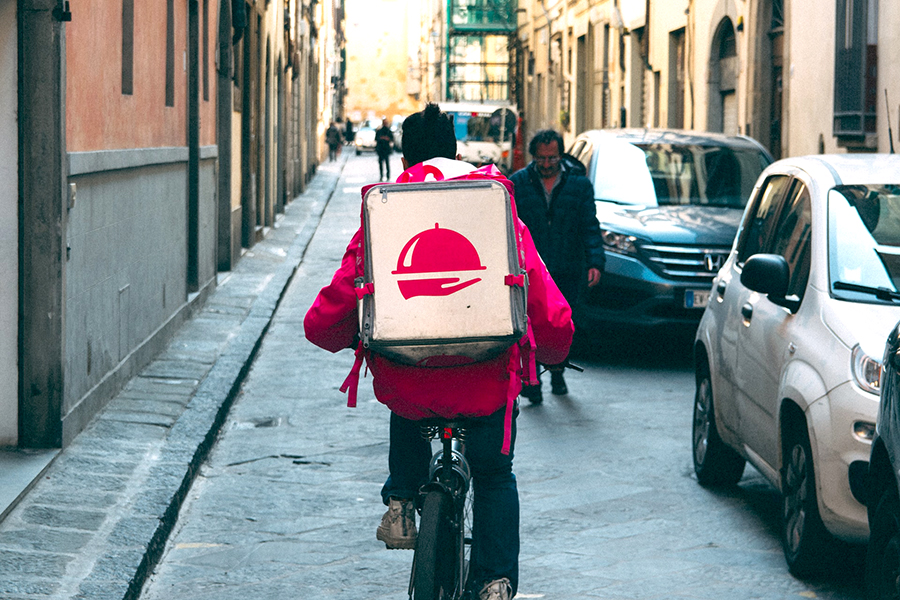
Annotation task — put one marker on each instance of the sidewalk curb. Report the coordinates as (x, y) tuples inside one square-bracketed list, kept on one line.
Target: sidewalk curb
[(189, 441)]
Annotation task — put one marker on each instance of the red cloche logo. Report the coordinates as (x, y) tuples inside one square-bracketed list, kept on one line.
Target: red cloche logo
[(436, 251)]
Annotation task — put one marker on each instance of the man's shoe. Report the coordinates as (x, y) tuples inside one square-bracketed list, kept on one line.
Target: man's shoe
[(533, 393), (398, 525), (499, 589), (558, 384)]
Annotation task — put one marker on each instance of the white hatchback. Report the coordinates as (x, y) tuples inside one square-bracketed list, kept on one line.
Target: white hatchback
[(788, 351)]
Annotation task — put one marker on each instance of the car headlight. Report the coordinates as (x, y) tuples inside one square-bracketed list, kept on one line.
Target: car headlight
[(619, 242), (866, 370)]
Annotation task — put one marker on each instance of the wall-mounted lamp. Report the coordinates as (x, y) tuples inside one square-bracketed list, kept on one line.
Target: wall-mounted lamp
[(740, 24)]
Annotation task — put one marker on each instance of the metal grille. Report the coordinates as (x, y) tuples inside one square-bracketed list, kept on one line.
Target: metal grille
[(690, 263)]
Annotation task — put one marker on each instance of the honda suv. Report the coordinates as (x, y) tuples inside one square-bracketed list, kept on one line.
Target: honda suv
[(669, 203)]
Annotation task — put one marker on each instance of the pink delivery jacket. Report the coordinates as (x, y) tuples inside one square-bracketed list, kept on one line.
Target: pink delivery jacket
[(471, 390)]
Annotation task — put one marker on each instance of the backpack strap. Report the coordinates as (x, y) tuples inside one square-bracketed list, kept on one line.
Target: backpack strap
[(529, 365), (527, 369), (511, 396), (351, 384), (515, 280)]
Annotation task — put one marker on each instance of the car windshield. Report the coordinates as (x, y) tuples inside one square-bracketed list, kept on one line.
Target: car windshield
[(661, 174), (864, 242), (482, 126)]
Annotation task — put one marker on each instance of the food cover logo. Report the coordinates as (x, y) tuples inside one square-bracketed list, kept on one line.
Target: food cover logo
[(436, 252)]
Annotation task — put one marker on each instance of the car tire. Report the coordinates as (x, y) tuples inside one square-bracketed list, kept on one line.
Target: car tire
[(806, 543), (883, 551), (715, 464)]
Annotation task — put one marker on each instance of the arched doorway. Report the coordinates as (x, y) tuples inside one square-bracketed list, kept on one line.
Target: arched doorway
[(723, 77)]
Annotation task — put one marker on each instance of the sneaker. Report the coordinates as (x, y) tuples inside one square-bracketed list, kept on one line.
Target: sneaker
[(499, 589), (398, 525), (558, 384), (533, 393)]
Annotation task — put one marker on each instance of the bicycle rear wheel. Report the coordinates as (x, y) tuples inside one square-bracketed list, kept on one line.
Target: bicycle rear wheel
[(437, 559)]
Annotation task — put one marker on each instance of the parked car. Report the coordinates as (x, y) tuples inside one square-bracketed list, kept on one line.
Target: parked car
[(365, 139), (883, 498), (788, 353), (669, 203)]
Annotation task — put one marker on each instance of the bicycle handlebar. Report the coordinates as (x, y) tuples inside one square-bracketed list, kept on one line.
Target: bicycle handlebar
[(562, 366)]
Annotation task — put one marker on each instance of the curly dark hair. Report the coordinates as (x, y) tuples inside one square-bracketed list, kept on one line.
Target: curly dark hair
[(546, 136), (428, 134)]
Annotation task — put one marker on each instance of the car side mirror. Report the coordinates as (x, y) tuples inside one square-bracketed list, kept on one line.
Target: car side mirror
[(769, 274)]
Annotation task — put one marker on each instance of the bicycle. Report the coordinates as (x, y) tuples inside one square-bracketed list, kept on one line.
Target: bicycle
[(443, 545), (441, 559)]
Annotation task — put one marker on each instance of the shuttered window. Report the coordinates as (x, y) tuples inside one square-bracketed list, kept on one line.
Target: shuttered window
[(855, 68)]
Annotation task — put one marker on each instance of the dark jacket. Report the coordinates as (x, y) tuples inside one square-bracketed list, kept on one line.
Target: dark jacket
[(384, 140), (567, 233)]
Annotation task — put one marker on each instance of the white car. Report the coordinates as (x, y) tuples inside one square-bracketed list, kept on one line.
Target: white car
[(788, 351)]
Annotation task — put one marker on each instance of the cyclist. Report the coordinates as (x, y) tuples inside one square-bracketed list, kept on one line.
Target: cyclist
[(487, 389)]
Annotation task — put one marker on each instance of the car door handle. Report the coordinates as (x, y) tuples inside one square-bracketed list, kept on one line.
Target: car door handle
[(720, 289), (747, 312)]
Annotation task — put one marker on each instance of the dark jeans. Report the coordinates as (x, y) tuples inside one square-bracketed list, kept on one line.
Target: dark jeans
[(495, 510), (384, 165)]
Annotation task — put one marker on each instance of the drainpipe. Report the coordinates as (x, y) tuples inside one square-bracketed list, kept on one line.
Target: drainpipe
[(224, 101), (193, 141)]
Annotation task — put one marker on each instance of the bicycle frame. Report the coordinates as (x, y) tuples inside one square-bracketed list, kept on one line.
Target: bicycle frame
[(449, 474)]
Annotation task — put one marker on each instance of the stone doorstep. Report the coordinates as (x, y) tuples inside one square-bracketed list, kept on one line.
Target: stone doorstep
[(19, 470)]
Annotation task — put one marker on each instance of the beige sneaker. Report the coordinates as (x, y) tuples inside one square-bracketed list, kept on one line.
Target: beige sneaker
[(398, 525), (499, 589)]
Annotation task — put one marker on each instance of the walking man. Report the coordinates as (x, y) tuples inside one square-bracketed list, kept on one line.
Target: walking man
[(333, 139), (384, 146), (555, 200)]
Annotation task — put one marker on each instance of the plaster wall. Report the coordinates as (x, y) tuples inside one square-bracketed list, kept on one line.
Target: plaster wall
[(127, 261), (98, 115)]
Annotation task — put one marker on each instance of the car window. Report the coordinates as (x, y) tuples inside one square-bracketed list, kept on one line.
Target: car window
[(675, 173), (577, 149), (620, 174), (792, 237), (864, 238), (585, 155), (483, 126), (759, 221)]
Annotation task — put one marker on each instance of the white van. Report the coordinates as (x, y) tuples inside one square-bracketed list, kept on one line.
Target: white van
[(484, 132)]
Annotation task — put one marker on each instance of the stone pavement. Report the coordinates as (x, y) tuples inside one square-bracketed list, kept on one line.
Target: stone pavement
[(97, 521)]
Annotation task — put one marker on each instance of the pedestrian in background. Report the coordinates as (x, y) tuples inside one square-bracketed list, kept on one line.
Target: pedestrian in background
[(384, 147), (349, 133), (333, 139), (555, 200)]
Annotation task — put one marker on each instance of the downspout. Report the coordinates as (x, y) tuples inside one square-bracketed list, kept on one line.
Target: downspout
[(224, 111), (193, 140)]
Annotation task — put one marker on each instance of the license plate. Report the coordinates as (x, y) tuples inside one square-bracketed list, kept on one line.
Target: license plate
[(696, 298)]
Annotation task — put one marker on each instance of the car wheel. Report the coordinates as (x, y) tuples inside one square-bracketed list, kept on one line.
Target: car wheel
[(714, 462), (883, 552), (804, 538)]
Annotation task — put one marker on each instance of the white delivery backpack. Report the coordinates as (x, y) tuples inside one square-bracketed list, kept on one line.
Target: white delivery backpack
[(442, 283)]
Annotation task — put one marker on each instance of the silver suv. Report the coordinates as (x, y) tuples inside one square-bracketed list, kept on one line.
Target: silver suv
[(669, 204)]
